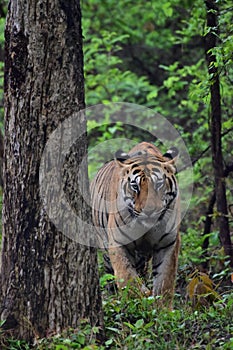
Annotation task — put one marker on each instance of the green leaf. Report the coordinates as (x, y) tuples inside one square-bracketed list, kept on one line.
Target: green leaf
[(113, 329), (129, 325), (80, 338), (228, 124), (168, 10), (109, 342), (61, 347), (153, 94), (139, 323)]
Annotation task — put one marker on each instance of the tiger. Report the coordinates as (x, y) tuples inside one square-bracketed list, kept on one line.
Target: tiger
[(136, 214)]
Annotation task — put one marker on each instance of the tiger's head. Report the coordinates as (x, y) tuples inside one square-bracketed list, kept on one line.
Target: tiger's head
[(148, 187)]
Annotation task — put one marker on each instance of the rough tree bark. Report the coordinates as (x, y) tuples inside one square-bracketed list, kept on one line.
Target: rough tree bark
[(215, 128), (1, 157), (207, 230), (48, 281)]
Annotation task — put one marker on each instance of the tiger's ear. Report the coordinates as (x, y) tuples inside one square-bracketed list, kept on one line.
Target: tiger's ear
[(172, 156), (120, 157)]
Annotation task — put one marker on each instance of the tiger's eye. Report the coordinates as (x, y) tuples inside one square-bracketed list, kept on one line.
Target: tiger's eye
[(134, 186), (160, 183)]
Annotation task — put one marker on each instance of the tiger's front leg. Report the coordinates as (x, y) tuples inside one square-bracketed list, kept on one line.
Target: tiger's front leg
[(165, 262), (124, 271)]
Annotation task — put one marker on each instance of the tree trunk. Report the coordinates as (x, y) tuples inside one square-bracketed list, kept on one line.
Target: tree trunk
[(1, 157), (207, 230), (215, 128), (48, 281)]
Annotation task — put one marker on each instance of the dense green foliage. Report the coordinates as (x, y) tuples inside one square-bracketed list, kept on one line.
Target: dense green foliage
[(135, 323), (152, 54)]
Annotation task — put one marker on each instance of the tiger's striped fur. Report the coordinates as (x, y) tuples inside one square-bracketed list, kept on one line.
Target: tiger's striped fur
[(136, 212)]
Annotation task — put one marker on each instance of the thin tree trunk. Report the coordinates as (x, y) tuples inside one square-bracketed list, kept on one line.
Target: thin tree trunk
[(207, 230), (1, 157), (215, 128), (208, 220), (48, 281)]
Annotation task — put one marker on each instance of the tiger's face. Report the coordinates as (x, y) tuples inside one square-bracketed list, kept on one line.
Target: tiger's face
[(148, 187)]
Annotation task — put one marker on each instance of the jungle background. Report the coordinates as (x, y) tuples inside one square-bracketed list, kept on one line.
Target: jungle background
[(154, 54)]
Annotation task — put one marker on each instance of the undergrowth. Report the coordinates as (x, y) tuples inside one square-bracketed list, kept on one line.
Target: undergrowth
[(134, 322)]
